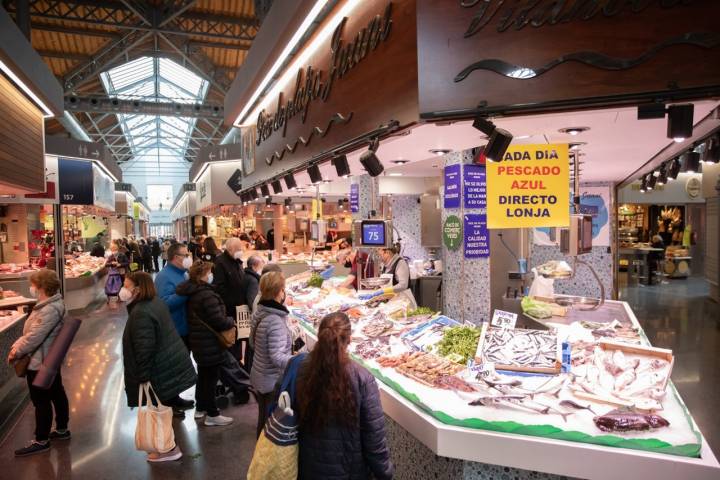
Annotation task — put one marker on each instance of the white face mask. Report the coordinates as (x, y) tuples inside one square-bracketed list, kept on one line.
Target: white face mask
[(187, 263), (210, 278), (237, 255), (33, 291), (125, 294), (108, 253)]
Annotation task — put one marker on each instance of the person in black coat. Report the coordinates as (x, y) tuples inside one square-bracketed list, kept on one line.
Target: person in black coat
[(341, 421), (253, 271), (153, 351), (229, 276), (156, 251), (206, 319)]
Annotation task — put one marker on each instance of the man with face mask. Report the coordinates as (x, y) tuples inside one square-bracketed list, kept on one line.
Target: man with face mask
[(229, 276), (172, 275)]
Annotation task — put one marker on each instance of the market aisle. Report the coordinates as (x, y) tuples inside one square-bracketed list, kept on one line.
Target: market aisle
[(680, 316), (103, 427)]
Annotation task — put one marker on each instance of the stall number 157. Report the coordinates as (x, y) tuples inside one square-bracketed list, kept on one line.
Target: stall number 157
[(68, 196)]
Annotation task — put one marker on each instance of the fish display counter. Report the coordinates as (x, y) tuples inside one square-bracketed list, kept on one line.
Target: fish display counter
[(584, 396)]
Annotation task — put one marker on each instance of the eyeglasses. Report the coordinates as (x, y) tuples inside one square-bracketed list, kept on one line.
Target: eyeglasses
[(184, 255)]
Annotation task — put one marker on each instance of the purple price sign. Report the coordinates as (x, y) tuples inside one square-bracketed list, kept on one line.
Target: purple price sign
[(452, 186), (354, 198), (477, 240), (475, 186)]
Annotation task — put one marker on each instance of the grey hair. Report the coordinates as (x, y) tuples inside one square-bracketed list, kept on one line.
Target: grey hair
[(271, 267), (254, 261), (232, 242)]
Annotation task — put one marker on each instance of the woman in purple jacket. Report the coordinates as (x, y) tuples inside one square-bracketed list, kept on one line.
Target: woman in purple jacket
[(342, 426)]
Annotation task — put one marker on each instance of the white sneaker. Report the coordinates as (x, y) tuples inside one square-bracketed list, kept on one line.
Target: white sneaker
[(172, 455), (199, 414), (218, 421)]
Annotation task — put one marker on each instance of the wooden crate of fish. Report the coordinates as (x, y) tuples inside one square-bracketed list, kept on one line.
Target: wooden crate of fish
[(533, 351), (622, 374)]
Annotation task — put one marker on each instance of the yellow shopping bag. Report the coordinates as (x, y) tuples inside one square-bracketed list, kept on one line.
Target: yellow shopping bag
[(273, 462)]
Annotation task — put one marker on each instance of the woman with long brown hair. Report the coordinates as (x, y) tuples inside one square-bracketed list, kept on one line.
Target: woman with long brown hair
[(341, 421)]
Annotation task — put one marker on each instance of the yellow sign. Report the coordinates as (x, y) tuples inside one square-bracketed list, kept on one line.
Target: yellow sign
[(136, 210), (529, 188), (91, 226)]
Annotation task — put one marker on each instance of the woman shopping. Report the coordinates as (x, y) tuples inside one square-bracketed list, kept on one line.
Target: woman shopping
[(117, 264), (341, 422), (271, 340), (153, 350), (206, 319), (41, 328)]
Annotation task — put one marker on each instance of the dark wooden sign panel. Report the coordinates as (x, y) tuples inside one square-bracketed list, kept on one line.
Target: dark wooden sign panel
[(536, 55), (22, 156), (362, 76)]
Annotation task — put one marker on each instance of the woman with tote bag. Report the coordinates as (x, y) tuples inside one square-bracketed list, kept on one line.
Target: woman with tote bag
[(28, 354), (157, 366)]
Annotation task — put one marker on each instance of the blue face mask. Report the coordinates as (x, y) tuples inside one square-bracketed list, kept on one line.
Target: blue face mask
[(210, 278)]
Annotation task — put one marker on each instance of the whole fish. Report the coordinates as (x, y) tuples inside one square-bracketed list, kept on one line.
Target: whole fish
[(627, 419)]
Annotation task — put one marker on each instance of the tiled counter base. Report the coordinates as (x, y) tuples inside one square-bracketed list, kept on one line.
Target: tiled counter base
[(413, 460)]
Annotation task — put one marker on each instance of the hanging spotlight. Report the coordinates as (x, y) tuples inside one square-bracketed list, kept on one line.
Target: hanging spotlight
[(315, 175), (662, 178), (253, 194), (288, 202), (499, 139), (290, 181), (674, 169), (650, 181), (680, 121), (643, 185), (712, 150), (265, 190), (342, 167), (277, 188), (370, 161), (268, 201), (691, 162)]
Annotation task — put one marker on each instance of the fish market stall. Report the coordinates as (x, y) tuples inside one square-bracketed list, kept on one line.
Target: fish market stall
[(587, 387), (85, 278)]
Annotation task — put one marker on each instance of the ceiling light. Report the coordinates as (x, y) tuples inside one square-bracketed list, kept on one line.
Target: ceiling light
[(651, 111), (315, 175), (396, 174), (265, 190), (674, 169), (253, 193), (342, 167), (268, 201), (439, 151), (277, 187), (288, 202), (576, 145), (400, 161), (290, 182), (522, 137), (340, 203), (712, 150), (327, 181), (499, 139), (662, 178), (643, 185), (691, 162), (651, 180), (47, 113), (680, 121), (370, 161), (574, 130)]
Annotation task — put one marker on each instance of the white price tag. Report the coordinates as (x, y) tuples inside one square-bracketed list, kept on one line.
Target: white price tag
[(503, 319), (484, 370)]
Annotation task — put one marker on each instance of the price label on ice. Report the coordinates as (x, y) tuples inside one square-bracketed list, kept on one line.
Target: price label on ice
[(483, 370), (503, 319)]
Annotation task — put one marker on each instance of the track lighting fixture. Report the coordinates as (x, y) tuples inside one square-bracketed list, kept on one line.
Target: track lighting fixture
[(712, 150), (651, 180), (662, 177), (265, 190), (277, 187), (674, 169), (268, 201), (315, 175), (691, 162), (643, 185), (370, 161), (288, 202), (253, 194), (342, 167), (680, 121), (498, 139), (290, 182)]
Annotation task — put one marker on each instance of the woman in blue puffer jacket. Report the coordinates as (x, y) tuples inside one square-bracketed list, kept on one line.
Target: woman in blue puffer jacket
[(342, 426)]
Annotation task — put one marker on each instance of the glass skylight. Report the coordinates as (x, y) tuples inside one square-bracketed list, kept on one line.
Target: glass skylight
[(158, 143)]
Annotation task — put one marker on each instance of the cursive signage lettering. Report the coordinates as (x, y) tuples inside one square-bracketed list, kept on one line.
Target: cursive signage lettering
[(518, 14), (312, 84)]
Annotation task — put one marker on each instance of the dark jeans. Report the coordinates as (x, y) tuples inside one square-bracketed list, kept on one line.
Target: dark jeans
[(155, 263), (264, 400), (205, 390), (44, 401)]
